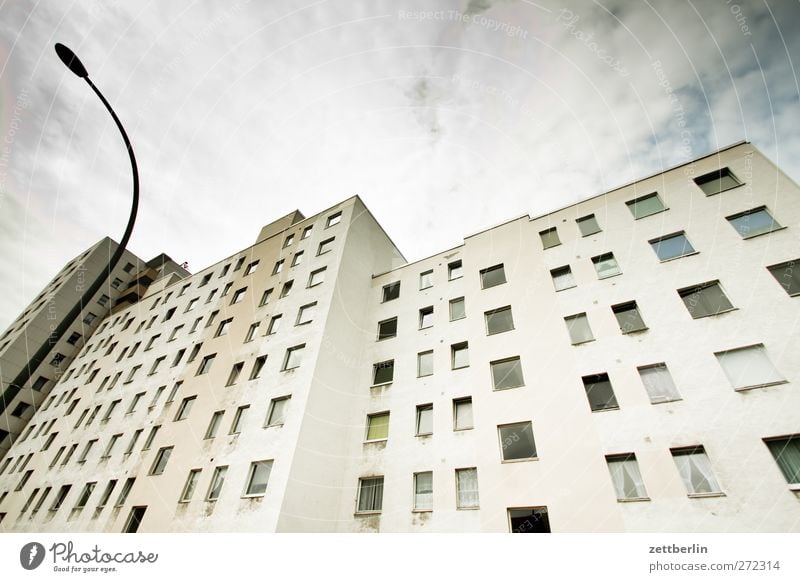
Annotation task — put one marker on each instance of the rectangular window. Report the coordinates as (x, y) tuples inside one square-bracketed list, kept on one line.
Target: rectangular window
[(226, 289), (786, 452), (424, 419), (175, 332), (549, 238), (73, 339), (382, 372), (239, 262), (333, 220), (293, 357), (251, 268), (377, 427), (499, 320), (168, 315), (106, 494), (212, 317), (238, 295), (606, 265), (753, 222), (426, 279), (370, 494), (307, 232), (236, 370), (507, 373), (455, 270), (217, 481), (276, 416), (286, 289), (297, 259), (717, 181), (626, 477), (425, 363), (426, 317), (135, 402), (239, 418), (493, 276), (387, 328), (278, 267), (205, 365), (126, 489), (467, 488), (109, 411), (195, 324), (645, 205), (562, 278), (213, 425), (257, 478), (178, 357), (658, 383), (251, 332), (579, 329), (204, 281), (705, 300), (423, 491), (190, 486), (600, 392), (628, 317), (156, 364), (459, 355), (274, 324), (457, 309), (462, 413), (749, 367), (191, 305), (672, 246), (151, 436), (588, 225), (86, 450), (153, 339), (223, 327), (160, 462), (317, 277), (185, 408), (325, 246), (528, 520), (103, 300), (133, 441), (306, 313), (516, 441), (788, 276), (287, 242), (265, 297), (258, 365), (391, 291), (194, 352), (695, 470), (60, 497)]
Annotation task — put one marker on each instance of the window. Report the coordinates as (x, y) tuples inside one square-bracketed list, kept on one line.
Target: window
[(194, 352), (307, 232), (426, 279), (457, 309), (169, 314), (257, 478), (265, 297), (578, 327), (251, 268), (204, 281), (160, 462), (378, 427), (239, 262), (73, 339), (236, 369), (286, 289), (126, 489), (24, 480), (175, 333), (600, 392), (224, 326), (333, 220), (106, 494), (645, 205), (695, 470), (549, 238), (516, 441), (109, 411), (195, 324), (425, 363), (705, 299), (20, 409), (184, 289), (325, 246), (462, 413), (786, 451), (658, 383), (787, 275), (753, 222), (467, 488), (317, 277), (225, 289), (116, 282), (492, 276), (588, 225), (258, 365), (238, 419), (499, 320), (190, 486), (58, 501), (156, 364), (455, 270), (224, 270), (134, 402), (185, 408), (628, 317), (424, 419), (626, 477), (426, 317), (391, 291), (672, 246), (297, 259), (278, 267), (528, 520), (213, 425), (238, 295), (387, 328), (274, 324), (251, 332), (86, 450), (382, 372), (423, 491), (133, 441), (57, 359), (89, 318), (287, 242), (562, 278), (217, 481), (717, 181), (153, 339), (507, 373), (749, 367), (459, 355), (370, 494), (606, 265), (293, 357), (276, 415), (151, 437), (306, 313), (205, 365)]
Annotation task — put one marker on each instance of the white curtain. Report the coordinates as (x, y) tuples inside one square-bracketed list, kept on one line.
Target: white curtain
[(749, 366), (467, 487), (423, 490), (695, 469), (464, 414), (627, 478), (787, 455), (658, 383)]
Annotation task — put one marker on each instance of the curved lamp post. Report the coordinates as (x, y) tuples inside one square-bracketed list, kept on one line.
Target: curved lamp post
[(74, 64)]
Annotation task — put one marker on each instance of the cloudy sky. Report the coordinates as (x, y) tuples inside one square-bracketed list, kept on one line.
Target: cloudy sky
[(445, 117)]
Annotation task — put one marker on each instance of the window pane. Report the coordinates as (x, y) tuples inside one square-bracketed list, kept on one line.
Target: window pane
[(425, 419), (378, 426), (704, 300), (423, 490), (277, 414), (606, 265), (460, 354), (217, 482), (455, 270), (507, 373), (426, 280), (370, 496), (628, 317), (671, 247), (467, 485), (259, 476), (562, 278), (578, 327), (549, 238), (599, 392), (787, 454), (391, 291), (383, 372), (716, 182), (626, 477), (529, 520), (516, 441), (788, 275), (424, 364), (387, 329), (588, 225), (695, 470), (748, 367), (457, 309), (493, 276), (753, 223), (426, 317), (463, 414), (645, 206), (658, 382), (499, 320)]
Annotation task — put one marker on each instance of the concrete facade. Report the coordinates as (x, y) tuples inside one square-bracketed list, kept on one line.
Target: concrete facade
[(655, 420)]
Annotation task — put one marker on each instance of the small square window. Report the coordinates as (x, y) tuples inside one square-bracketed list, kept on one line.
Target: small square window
[(672, 246), (325, 246), (467, 488), (426, 279), (455, 270), (788, 276), (316, 277), (277, 411), (287, 242), (387, 328), (516, 441), (457, 309), (695, 470), (426, 317), (705, 300), (507, 373), (425, 364), (646, 205), (628, 317), (333, 220), (423, 491), (658, 383), (549, 238), (73, 339), (717, 181), (462, 413), (753, 222), (257, 478), (749, 367), (293, 357), (424, 419), (588, 225), (786, 452), (600, 392), (606, 265), (626, 477), (459, 355), (493, 276), (104, 299), (382, 372), (562, 278), (370, 495), (377, 426), (579, 329)]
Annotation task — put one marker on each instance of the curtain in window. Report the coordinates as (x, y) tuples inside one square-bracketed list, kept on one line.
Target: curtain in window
[(423, 490), (658, 383), (626, 477), (467, 487), (695, 470), (378, 427), (464, 414), (787, 455), (371, 495), (748, 367)]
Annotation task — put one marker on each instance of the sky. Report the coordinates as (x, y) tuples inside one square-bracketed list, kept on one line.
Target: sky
[(446, 117)]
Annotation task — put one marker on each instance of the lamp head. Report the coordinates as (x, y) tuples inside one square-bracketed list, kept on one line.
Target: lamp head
[(73, 63)]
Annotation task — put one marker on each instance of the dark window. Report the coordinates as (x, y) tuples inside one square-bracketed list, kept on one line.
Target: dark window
[(600, 392), (529, 520)]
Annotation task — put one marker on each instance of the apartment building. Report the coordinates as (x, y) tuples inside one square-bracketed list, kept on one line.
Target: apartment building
[(626, 363)]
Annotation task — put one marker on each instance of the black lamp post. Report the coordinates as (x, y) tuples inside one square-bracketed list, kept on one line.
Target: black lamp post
[(74, 64)]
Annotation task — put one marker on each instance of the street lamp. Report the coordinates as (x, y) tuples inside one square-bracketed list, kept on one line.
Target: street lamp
[(74, 64)]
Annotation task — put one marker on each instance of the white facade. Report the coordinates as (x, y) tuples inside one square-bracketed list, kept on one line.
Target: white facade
[(688, 405)]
